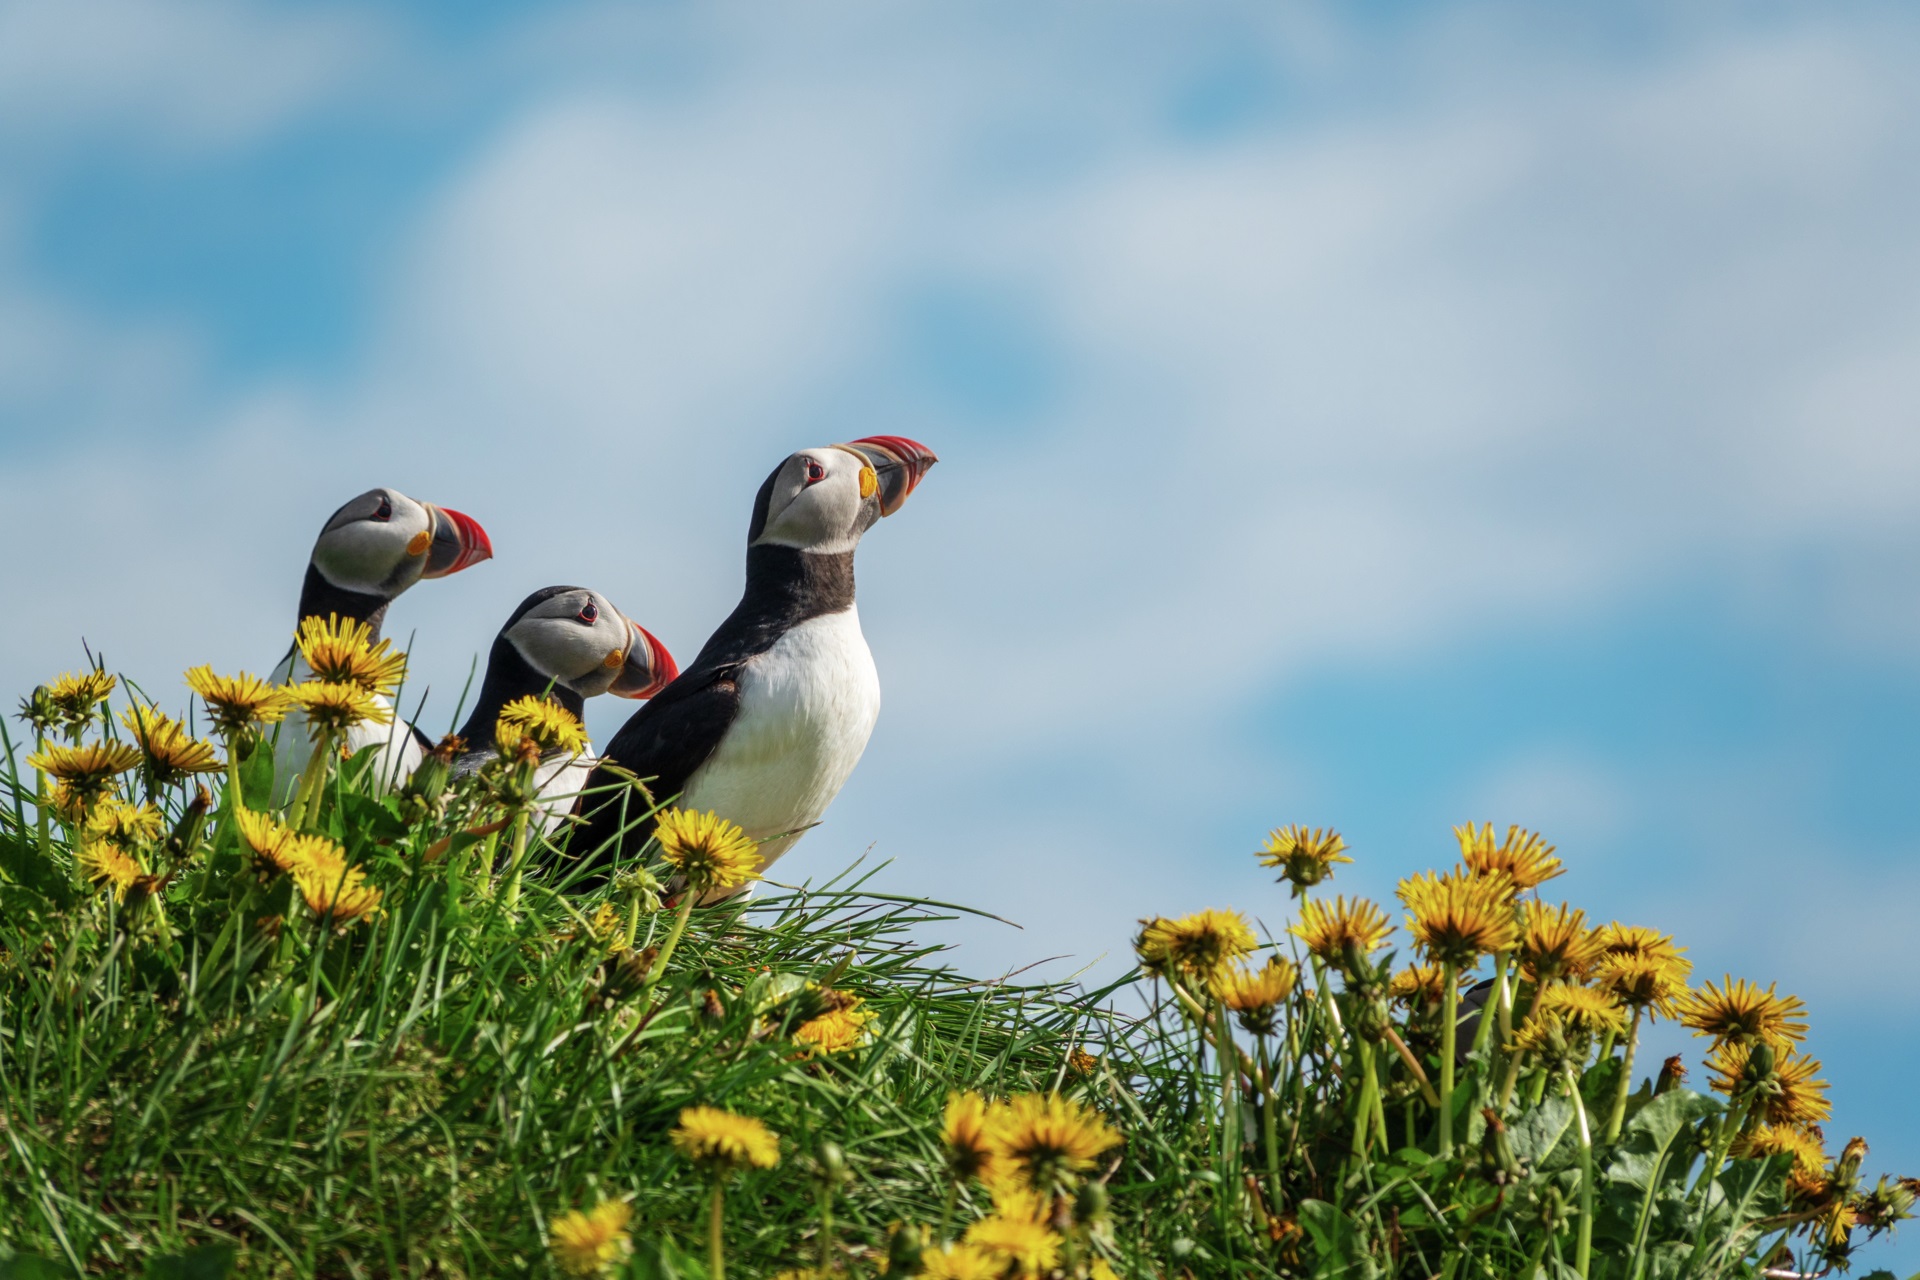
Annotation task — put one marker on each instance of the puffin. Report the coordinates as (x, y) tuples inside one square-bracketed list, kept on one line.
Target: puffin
[(768, 723), (567, 644), (370, 551)]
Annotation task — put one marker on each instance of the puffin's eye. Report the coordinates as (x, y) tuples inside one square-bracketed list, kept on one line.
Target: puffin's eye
[(386, 508), (816, 472), (589, 613)]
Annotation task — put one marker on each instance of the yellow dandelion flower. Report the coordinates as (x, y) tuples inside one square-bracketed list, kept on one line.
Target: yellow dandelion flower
[(961, 1262), (1787, 1095), (335, 708), (343, 651), (709, 852), (260, 833), (1741, 1012), (1541, 1034), (1305, 855), (235, 702), (1456, 918), (1043, 1139), (172, 753), (1195, 947), (123, 823), (332, 888), (1801, 1142), (106, 863), (591, 1243), (1102, 1270), (1013, 1199), (721, 1142), (547, 725), (1026, 1248), (68, 701), (1327, 931), (964, 1129), (1636, 940), (838, 1030), (1254, 994), (1555, 942), (1523, 858), (1644, 981), (86, 770), (1581, 1009), (1418, 985)]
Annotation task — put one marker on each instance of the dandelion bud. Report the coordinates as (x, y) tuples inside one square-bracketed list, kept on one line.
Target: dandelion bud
[(1888, 1203), (1090, 1204), (906, 1244), (39, 710), (1673, 1073), (830, 1165), (1370, 1020), (186, 832), (639, 884), (1846, 1170), (1497, 1161)]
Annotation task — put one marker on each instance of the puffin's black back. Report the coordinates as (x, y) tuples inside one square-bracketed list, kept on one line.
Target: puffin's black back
[(666, 741)]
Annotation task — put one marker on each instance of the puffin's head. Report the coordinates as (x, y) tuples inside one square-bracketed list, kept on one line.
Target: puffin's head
[(383, 542), (822, 500), (576, 638)]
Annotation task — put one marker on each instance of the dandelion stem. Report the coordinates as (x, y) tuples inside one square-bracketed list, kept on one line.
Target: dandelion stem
[(659, 968), (1270, 1123), (1413, 1065), (1619, 1112), (1583, 1249), (1229, 1056), (312, 780), (1450, 1014), (516, 860), (946, 1210), (716, 1250), (1483, 1024)]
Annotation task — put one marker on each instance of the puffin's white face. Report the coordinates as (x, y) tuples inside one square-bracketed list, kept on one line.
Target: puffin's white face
[(822, 500), (575, 637), (383, 542)]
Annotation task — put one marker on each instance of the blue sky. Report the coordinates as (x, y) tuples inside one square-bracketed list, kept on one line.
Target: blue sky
[(1378, 416)]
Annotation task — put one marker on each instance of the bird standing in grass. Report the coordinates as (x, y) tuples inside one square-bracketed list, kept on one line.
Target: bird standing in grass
[(565, 644), (767, 724), (370, 551)]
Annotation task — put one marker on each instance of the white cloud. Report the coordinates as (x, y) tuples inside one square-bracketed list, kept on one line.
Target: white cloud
[(188, 73)]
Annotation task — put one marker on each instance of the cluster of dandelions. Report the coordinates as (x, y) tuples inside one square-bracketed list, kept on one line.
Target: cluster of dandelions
[(110, 780), (1036, 1156), (1557, 997)]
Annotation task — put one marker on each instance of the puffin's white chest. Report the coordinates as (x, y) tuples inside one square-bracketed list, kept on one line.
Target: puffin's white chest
[(400, 752), (807, 708)]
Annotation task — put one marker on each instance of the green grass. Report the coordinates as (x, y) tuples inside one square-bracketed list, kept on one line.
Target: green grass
[(420, 1093)]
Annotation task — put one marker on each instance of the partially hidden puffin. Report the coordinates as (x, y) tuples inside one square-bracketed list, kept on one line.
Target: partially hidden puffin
[(766, 725), (370, 551), (567, 644)]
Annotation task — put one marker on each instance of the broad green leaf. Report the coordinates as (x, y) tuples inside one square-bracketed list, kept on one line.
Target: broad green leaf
[(1535, 1135), (1647, 1143)]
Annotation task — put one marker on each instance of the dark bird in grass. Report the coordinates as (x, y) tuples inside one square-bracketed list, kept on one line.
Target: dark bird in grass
[(370, 551), (566, 644), (768, 723)]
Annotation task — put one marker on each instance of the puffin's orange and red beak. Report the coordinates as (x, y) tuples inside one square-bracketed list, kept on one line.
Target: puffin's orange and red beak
[(458, 542), (898, 462), (649, 668)]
